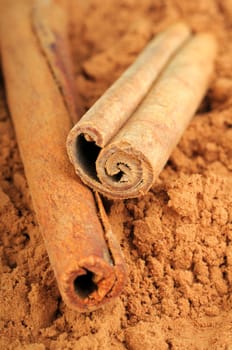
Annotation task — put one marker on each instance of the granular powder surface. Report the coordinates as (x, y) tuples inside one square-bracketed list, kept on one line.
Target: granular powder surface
[(177, 240)]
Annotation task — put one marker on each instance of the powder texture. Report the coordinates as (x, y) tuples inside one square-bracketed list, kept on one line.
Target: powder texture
[(177, 240)]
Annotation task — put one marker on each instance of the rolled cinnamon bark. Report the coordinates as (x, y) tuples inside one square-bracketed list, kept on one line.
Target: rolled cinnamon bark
[(123, 160), (83, 251), (50, 28)]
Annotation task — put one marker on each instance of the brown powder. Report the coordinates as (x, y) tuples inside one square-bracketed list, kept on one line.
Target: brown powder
[(177, 240)]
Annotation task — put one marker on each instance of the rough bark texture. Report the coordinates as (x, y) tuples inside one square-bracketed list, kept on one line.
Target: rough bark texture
[(120, 146), (85, 257)]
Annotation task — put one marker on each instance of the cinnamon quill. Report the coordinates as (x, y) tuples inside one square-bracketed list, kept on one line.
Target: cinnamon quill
[(122, 143), (83, 251)]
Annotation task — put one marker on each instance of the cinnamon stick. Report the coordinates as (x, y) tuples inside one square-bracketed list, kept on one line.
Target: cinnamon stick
[(83, 251), (123, 159)]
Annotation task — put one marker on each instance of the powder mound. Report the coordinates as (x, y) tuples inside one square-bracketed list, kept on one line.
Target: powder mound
[(182, 249), (155, 338)]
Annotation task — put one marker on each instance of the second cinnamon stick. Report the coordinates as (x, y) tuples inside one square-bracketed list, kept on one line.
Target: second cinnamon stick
[(127, 164)]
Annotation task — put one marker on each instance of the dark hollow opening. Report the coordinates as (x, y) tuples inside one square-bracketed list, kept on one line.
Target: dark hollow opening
[(84, 285), (117, 177), (87, 153)]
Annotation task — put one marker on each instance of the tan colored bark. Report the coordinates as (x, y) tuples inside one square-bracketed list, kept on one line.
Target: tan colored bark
[(84, 254), (120, 146)]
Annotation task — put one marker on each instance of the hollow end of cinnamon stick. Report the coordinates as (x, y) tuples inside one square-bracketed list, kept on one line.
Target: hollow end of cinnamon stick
[(94, 280), (116, 171), (92, 285)]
